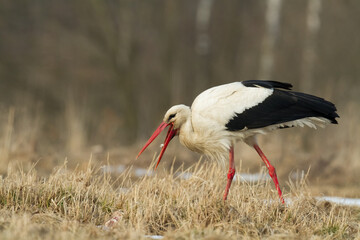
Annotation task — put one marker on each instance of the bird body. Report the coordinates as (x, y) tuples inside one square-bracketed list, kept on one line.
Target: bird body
[(204, 128), (225, 114)]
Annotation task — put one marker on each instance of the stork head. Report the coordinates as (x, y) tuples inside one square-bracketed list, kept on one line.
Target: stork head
[(175, 117)]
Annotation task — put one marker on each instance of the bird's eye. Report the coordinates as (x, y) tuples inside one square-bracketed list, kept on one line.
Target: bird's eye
[(171, 116)]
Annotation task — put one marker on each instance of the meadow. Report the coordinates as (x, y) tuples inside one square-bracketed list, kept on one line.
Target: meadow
[(77, 204), (52, 192)]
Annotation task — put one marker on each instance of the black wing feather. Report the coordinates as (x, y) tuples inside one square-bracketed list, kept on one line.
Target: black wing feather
[(267, 84), (280, 107)]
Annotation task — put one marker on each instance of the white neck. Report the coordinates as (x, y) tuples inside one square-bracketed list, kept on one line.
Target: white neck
[(187, 135), (203, 141)]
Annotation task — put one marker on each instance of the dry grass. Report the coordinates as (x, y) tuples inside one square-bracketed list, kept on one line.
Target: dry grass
[(73, 204), (41, 203)]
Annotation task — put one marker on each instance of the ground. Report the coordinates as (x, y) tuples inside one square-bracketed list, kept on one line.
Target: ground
[(76, 204)]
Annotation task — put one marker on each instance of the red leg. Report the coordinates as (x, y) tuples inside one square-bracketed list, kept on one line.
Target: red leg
[(231, 172), (272, 172)]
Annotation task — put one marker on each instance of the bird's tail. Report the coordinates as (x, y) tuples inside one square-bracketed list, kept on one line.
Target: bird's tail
[(319, 106)]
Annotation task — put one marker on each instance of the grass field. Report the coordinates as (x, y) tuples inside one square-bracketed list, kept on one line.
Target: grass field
[(42, 197), (76, 204)]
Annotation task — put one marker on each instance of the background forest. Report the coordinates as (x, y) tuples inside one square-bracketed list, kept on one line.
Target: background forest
[(81, 77)]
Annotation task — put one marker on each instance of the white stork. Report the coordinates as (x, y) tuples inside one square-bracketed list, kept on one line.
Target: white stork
[(223, 115)]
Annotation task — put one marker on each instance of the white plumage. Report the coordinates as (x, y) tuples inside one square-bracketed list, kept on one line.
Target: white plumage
[(204, 128), (225, 114)]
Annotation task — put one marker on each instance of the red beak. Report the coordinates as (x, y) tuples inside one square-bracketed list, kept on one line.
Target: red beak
[(170, 134)]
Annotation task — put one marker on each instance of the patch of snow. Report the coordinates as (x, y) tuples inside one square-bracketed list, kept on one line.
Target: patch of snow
[(113, 169), (340, 200), (184, 175), (139, 172), (154, 236), (251, 177)]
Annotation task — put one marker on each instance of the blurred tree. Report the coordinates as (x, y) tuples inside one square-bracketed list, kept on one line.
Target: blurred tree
[(106, 71)]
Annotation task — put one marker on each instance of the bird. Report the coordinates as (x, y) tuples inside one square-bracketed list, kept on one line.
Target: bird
[(239, 111)]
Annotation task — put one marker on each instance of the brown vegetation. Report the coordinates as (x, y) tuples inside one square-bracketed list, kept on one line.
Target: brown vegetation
[(76, 204)]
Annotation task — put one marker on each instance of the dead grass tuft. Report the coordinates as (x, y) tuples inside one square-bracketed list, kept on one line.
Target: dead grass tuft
[(76, 205)]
